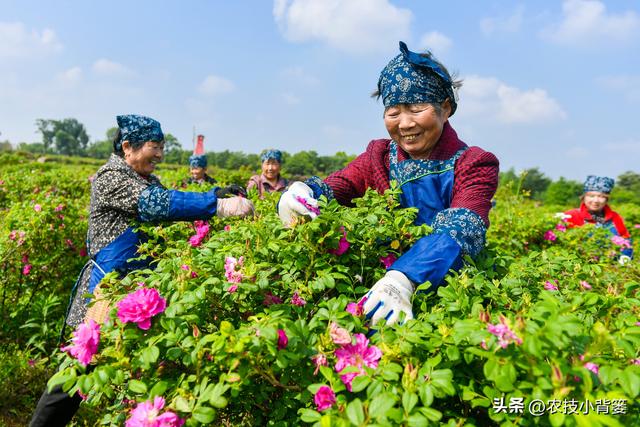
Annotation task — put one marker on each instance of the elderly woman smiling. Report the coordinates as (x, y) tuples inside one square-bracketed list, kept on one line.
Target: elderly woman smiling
[(449, 182), (270, 180), (125, 191), (594, 209)]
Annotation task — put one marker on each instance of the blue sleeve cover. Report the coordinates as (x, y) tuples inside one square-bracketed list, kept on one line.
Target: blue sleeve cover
[(319, 188), (158, 204), (456, 232), (628, 251)]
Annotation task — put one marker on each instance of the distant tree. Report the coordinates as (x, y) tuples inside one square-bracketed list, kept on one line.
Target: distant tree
[(630, 181), (627, 188), (36, 147), (173, 152), (535, 182), (508, 176), (563, 192), (67, 136), (5, 146), (302, 163)]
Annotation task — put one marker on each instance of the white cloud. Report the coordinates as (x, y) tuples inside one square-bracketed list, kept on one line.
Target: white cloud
[(490, 98), (111, 68), (300, 74), (509, 24), (214, 85), (18, 42), (70, 76), (578, 153), (627, 148), (436, 42), (587, 21), (359, 26), (626, 85), (290, 99)]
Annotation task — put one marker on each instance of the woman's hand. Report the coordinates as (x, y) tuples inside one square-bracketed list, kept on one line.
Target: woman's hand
[(230, 191), (297, 201), (234, 206), (389, 297)]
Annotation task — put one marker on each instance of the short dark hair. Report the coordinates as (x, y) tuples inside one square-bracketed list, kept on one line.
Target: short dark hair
[(117, 144)]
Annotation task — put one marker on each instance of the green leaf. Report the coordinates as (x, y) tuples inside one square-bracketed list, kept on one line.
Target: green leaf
[(204, 414), (182, 404), (359, 383), (150, 355), (381, 404), (630, 382), (137, 386), (309, 415), (431, 414), (409, 400), (355, 412), (158, 389), (426, 394)]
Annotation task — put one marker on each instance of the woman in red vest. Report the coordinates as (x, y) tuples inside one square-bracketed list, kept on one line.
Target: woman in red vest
[(594, 209)]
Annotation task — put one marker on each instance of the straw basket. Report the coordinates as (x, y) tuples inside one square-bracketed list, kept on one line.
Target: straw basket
[(99, 308)]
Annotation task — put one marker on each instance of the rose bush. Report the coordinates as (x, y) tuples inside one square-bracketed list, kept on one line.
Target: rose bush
[(284, 341)]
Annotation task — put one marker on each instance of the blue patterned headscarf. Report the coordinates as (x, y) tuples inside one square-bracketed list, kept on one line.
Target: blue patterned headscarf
[(198, 161), (271, 155), (603, 184), (136, 129), (411, 78)]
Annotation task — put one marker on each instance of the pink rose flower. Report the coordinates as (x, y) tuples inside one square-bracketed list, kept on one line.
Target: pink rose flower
[(550, 286), (621, 241), (230, 269), (58, 208), (26, 269), (358, 355), (388, 260), (339, 335), (504, 334), (324, 398), (585, 285), (319, 360), (343, 244), (356, 308), (296, 300), (227, 228), (147, 414), (270, 299), (550, 236), (37, 207), (185, 267), (85, 340), (140, 306), (306, 204), (283, 340), (83, 251), (231, 289), (592, 367), (561, 227), (202, 228)]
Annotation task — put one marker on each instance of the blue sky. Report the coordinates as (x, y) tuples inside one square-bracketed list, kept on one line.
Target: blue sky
[(552, 84)]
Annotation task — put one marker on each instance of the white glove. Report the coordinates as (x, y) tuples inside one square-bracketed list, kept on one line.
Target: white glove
[(624, 259), (289, 207), (234, 206), (388, 297)]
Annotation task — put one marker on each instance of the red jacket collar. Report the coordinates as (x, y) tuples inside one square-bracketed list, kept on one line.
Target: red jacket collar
[(608, 213)]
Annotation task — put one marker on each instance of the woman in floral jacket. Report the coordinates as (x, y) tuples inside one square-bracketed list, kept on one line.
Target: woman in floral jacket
[(449, 182), (125, 191)]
